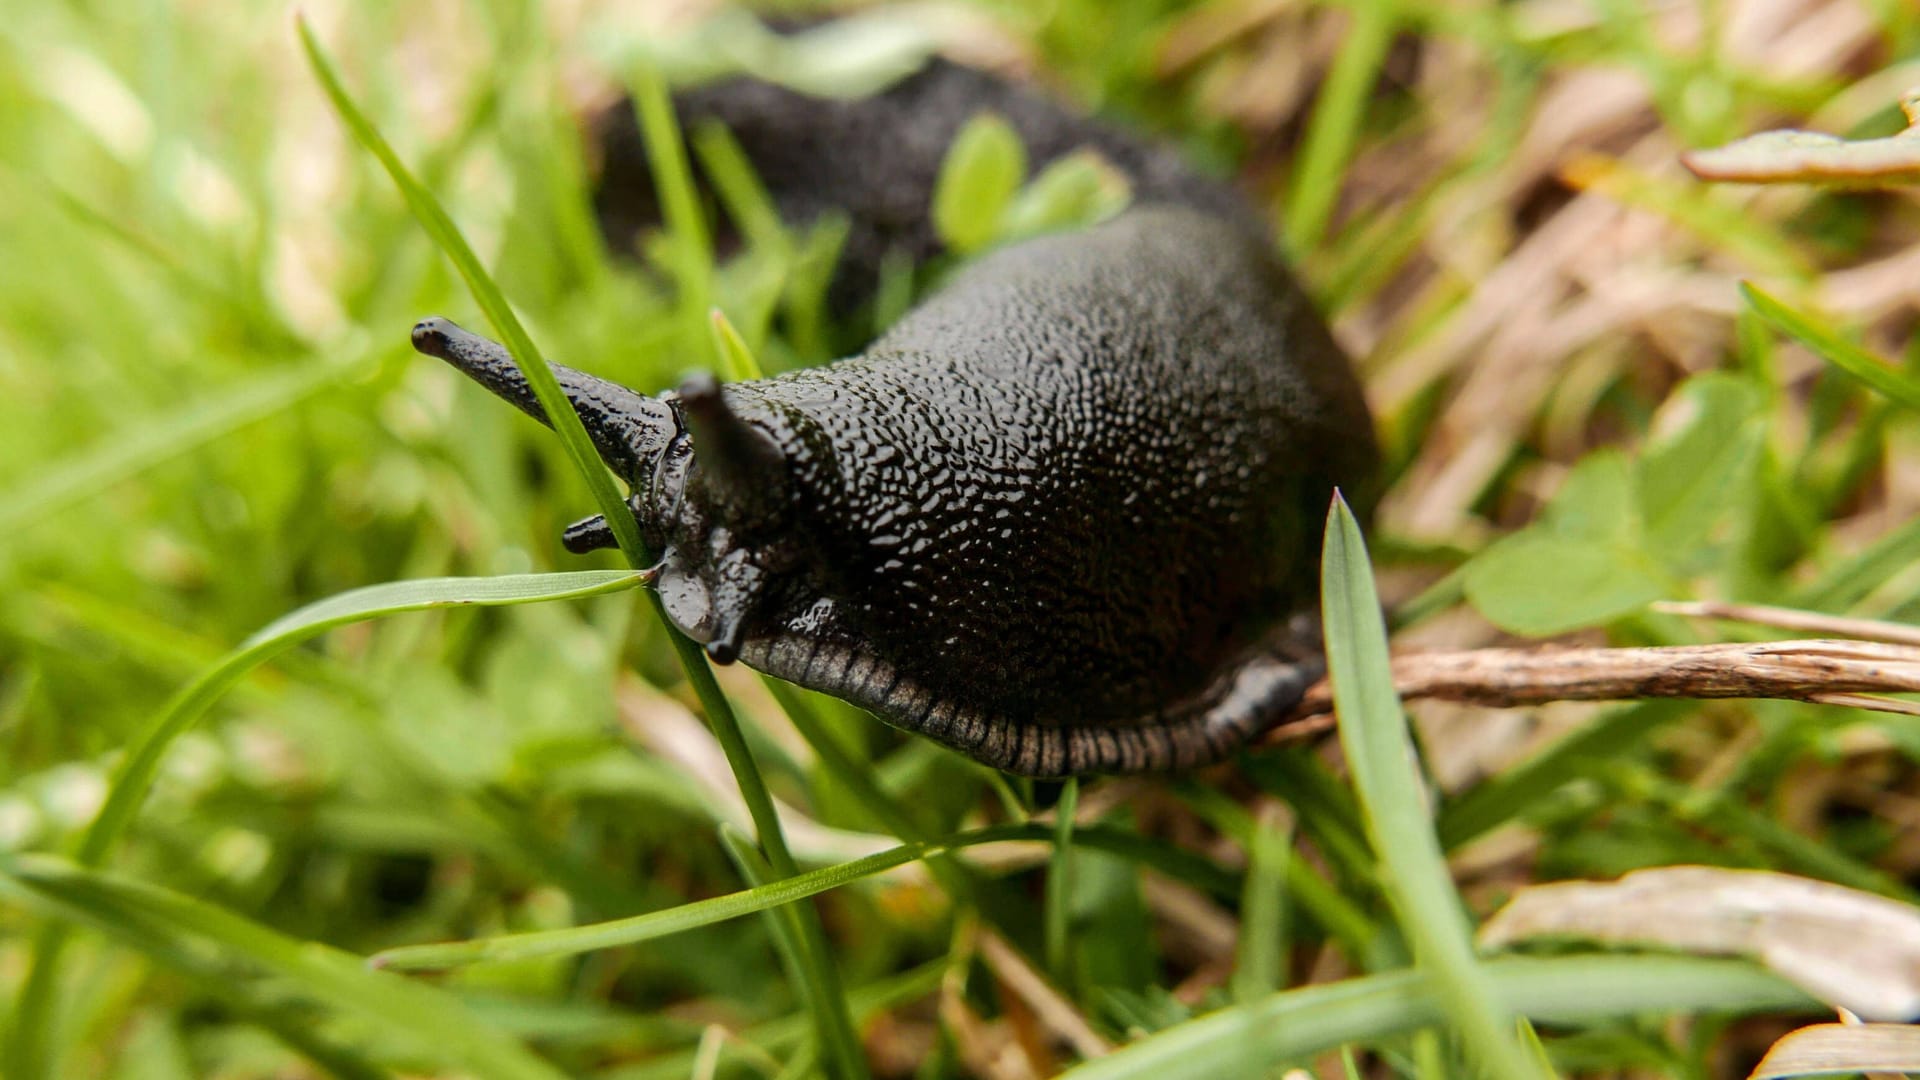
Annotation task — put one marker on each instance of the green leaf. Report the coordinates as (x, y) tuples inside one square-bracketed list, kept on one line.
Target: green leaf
[(430, 1022), (983, 168), (1379, 750), (1564, 990), (1701, 463), (1834, 349), (853, 56), (1540, 585), (1074, 191), (1582, 563), (1596, 501)]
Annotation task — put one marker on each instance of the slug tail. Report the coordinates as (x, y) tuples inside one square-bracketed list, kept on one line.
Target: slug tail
[(629, 430)]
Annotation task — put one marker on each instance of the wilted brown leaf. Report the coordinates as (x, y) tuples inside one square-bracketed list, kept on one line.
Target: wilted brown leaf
[(1807, 156), (1846, 947), (1834, 1049)]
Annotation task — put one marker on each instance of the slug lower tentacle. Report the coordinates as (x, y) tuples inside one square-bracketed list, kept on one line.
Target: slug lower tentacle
[(1063, 518)]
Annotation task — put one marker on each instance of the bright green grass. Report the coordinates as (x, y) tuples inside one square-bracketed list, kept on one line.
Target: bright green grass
[(212, 419)]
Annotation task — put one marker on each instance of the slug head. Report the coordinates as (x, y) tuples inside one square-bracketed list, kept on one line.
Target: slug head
[(709, 488)]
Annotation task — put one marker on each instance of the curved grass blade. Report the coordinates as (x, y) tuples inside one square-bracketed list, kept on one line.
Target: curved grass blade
[(1834, 349), (26, 1046), (1373, 733), (357, 605), (789, 938), (1336, 124), (446, 235), (658, 924), (663, 137), (427, 1019), (1297, 1024)]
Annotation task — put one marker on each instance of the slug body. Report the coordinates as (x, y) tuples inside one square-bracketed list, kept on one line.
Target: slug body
[(1062, 517)]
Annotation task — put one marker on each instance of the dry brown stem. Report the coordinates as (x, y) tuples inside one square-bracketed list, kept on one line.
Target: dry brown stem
[(1824, 670)]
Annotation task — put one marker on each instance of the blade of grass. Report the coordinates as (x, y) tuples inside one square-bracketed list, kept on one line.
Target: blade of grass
[(1060, 882), (1510, 795), (427, 1019), (656, 116), (790, 940), (739, 188), (358, 605), (124, 453), (680, 202), (27, 1047), (657, 924), (1379, 750), (1335, 124), (1834, 349), (447, 237), (1851, 579), (1174, 863), (1563, 990), (1337, 915), (1259, 957), (737, 362), (787, 1031), (856, 779)]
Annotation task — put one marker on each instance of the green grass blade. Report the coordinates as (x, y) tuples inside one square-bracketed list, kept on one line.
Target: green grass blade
[(446, 235), (1563, 990), (263, 1004), (679, 198), (1851, 579), (121, 454), (658, 924), (855, 778), (427, 1019), (739, 187), (1510, 795), (1259, 957), (737, 362), (1834, 349), (1060, 882), (1336, 124), (375, 601), (1373, 733), (833, 1027)]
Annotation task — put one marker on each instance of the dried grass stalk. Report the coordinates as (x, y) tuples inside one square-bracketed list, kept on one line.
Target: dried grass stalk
[(1821, 670)]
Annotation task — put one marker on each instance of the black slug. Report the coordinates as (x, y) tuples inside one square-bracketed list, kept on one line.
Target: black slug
[(1064, 517)]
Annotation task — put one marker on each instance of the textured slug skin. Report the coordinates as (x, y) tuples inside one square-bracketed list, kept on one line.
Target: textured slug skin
[(1075, 485), (1064, 515)]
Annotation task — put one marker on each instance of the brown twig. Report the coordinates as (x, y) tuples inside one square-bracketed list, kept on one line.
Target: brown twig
[(1821, 670)]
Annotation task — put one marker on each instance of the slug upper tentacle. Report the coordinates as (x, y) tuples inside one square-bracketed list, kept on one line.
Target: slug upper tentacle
[(1064, 517)]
